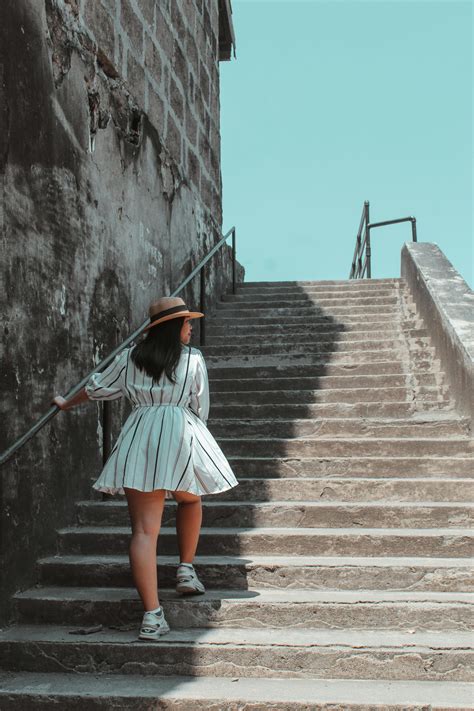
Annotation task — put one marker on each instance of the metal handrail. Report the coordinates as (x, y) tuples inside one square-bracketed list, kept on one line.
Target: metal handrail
[(358, 269), (54, 409)]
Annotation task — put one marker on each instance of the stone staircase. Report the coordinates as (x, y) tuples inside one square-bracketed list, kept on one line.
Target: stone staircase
[(337, 572)]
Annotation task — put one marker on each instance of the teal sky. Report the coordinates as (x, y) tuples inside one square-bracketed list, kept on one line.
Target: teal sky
[(330, 103)]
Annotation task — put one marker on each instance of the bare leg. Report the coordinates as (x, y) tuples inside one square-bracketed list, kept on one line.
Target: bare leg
[(188, 524), (145, 509)]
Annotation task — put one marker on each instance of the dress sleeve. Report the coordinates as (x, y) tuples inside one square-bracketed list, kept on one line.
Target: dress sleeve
[(199, 402), (110, 383)]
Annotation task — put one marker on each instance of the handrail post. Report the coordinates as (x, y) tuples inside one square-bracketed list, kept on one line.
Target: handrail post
[(202, 307), (233, 261), (368, 251), (356, 262), (366, 267)]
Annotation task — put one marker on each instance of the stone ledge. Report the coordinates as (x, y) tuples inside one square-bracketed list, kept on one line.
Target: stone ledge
[(238, 694), (445, 302)]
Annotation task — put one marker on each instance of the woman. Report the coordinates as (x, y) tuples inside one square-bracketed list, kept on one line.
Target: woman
[(164, 449)]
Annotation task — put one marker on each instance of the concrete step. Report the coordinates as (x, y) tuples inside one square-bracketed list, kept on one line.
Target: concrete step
[(313, 344), (415, 359), (349, 489), (296, 514), (341, 396), (309, 653), (301, 334), (311, 428), (275, 466), (439, 542), (249, 411), (347, 447), (327, 382), (393, 320), (304, 301), (434, 574), (338, 284), (280, 337), (295, 369), (288, 310), (30, 692), (311, 292), (295, 609), (354, 330)]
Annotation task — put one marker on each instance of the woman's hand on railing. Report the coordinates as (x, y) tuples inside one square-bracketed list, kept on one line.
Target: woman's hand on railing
[(60, 402), (64, 404)]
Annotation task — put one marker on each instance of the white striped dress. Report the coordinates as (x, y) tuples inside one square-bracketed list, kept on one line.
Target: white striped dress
[(164, 443)]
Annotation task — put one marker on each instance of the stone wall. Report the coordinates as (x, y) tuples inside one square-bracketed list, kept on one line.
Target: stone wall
[(110, 194)]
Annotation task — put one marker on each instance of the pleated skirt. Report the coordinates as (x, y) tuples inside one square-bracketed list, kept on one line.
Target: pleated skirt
[(166, 447)]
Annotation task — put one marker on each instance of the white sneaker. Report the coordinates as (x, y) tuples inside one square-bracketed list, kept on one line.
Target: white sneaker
[(187, 582), (153, 625)]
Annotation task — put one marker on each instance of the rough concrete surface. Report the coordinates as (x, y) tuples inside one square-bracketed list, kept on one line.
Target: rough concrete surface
[(237, 694), (417, 573), (445, 301)]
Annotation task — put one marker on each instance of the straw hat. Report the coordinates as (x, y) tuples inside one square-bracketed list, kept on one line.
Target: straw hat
[(169, 307)]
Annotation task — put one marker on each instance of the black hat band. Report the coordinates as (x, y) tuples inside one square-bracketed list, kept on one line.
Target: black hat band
[(167, 312)]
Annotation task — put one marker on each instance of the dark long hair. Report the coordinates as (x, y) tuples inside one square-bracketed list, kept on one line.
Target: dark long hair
[(160, 350)]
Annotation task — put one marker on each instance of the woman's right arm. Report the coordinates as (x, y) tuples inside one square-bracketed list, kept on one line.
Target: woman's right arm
[(78, 399), (107, 385)]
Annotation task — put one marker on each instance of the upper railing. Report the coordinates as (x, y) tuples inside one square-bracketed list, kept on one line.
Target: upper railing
[(360, 265), (106, 411)]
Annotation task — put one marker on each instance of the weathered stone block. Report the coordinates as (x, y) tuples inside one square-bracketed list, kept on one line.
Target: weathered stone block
[(132, 26), (204, 82), (99, 21), (215, 102), (192, 53), (206, 191), (153, 61), (174, 140), (177, 100), (156, 111), (215, 165), (216, 206), (215, 139), (177, 20), (163, 32), (214, 12), (205, 151), (200, 107), (191, 126), (188, 8), (191, 93), (147, 8), (207, 24), (180, 65), (194, 170), (136, 80)]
